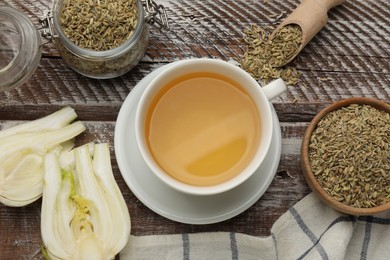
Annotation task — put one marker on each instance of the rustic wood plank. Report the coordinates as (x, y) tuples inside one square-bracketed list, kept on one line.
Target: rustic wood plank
[(349, 57), (19, 227), (214, 29), (55, 85)]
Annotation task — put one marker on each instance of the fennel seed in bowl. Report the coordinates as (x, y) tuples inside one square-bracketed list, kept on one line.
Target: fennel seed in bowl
[(349, 154)]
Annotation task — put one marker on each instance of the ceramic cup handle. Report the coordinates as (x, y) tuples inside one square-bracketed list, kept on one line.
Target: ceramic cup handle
[(274, 89)]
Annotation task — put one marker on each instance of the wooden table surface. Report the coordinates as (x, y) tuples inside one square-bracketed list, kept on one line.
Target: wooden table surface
[(349, 57)]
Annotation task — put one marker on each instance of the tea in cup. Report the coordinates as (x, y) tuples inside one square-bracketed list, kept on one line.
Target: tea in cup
[(204, 126)]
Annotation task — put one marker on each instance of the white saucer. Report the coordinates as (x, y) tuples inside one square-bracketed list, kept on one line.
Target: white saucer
[(173, 204)]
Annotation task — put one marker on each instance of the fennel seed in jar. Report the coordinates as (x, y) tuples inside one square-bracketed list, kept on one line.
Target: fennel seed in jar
[(263, 55), (349, 154), (99, 25)]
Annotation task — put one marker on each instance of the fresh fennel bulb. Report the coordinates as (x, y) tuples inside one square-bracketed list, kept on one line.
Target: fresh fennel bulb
[(22, 151), (84, 215)]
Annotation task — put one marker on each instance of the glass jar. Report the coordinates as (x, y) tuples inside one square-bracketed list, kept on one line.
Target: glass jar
[(102, 64), (20, 48), (20, 45)]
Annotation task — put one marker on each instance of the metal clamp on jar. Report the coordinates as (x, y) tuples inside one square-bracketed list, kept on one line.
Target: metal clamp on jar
[(21, 45)]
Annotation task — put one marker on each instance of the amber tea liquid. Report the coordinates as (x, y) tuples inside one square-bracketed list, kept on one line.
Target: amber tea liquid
[(202, 128)]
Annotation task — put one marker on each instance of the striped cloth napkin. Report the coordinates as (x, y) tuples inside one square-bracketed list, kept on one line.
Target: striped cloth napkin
[(309, 230)]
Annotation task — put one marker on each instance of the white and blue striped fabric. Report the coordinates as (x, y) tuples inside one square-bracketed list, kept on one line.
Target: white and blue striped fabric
[(309, 230)]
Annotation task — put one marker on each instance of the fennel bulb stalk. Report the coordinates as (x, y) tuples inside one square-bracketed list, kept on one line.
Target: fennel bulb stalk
[(22, 151)]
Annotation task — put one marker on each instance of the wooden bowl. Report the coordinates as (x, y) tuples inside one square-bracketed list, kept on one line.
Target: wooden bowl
[(305, 163)]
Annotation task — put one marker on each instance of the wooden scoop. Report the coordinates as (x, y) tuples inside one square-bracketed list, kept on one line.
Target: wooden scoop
[(311, 16)]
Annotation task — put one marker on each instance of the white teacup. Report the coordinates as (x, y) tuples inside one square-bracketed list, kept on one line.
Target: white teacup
[(189, 69)]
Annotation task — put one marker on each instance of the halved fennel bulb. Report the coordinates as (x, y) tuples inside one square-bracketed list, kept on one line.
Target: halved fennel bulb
[(84, 215)]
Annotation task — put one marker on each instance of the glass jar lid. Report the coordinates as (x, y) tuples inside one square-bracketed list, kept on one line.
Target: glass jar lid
[(20, 48)]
